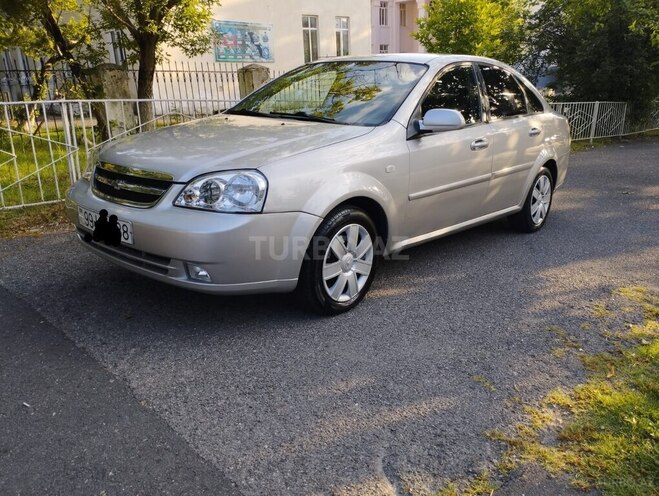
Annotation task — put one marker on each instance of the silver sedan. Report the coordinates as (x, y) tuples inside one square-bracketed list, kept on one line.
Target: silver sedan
[(313, 178)]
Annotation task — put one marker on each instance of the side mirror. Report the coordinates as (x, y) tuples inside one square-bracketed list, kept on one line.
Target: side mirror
[(437, 120)]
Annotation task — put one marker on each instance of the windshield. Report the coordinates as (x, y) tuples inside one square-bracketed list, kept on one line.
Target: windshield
[(363, 93)]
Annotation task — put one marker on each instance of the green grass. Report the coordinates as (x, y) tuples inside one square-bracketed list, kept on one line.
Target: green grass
[(607, 428), (483, 381), (40, 169), (21, 184), (563, 337), (54, 179), (478, 486), (581, 145)]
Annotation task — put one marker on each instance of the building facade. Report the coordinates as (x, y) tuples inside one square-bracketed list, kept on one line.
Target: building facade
[(393, 23), (277, 34), (282, 34)]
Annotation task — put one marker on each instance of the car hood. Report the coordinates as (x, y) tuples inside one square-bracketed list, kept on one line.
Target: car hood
[(223, 142)]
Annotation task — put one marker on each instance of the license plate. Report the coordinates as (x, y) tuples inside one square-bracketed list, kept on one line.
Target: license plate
[(87, 219)]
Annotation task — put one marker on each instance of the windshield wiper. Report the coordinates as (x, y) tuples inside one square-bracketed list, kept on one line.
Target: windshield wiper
[(304, 116), (245, 112)]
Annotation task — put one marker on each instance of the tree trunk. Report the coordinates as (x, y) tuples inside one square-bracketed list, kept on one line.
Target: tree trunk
[(88, 89), (147, 70)]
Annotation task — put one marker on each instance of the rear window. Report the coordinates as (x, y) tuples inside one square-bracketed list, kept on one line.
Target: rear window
[(504, 94)]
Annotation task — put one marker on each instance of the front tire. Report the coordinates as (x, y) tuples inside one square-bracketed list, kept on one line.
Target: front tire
[(340, 262), (536, 208)]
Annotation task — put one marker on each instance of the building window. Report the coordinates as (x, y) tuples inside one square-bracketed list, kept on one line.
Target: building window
[(118, 50), (384, 13), (342, 36), (384, 48), (310, 37), (403, 14)]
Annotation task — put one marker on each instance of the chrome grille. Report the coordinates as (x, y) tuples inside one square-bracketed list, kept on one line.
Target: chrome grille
[(129, 186)]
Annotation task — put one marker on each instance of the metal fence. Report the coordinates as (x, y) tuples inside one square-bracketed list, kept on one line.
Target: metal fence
[(591, 120), (45, 145), (172, 80)]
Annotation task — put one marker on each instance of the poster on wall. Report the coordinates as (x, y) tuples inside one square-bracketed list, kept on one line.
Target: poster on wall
[(242, 42)]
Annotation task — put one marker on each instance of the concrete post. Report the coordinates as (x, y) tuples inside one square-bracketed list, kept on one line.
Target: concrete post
[(252, 77), (112, 80)]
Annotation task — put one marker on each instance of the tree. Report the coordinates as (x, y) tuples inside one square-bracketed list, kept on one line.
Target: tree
[(55, 31), (602, 49), (490, 28), (147, 26), (69, 31)]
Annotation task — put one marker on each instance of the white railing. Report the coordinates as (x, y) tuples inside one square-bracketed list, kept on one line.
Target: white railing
[(44, 145), (592, 120)]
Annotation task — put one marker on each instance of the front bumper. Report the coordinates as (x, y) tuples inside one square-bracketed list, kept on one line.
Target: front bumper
[(242, 253)]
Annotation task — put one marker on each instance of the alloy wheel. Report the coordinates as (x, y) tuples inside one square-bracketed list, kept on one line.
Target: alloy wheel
[(348, 262), (540, 200)]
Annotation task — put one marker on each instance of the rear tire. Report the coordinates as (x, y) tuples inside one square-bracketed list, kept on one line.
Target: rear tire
[(340, 262), (536, 208)]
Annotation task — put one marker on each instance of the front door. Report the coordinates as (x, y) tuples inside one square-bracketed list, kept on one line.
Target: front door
[(450, 170)]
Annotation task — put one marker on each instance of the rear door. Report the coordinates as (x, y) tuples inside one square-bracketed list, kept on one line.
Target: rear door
[(516, 137)]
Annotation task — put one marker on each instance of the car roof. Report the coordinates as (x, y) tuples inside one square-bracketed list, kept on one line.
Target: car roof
[(431, 59)]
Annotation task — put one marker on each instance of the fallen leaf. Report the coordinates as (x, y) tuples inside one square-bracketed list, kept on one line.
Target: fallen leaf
[(611, 372)]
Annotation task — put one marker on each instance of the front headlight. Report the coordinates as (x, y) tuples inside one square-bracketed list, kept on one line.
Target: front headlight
[(230, 191)]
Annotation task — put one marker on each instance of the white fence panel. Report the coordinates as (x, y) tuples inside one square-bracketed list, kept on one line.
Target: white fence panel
[(590, 120)]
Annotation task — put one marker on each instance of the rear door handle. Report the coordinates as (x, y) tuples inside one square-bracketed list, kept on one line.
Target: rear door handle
[(534, 131), (479, 144)]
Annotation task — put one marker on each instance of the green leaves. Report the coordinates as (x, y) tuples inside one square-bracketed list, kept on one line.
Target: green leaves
[(603, 49), (182, 24), (53, 29), (491, 28), (71, 32)]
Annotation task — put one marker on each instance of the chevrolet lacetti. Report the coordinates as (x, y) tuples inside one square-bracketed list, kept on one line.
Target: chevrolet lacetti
[(312, 178)]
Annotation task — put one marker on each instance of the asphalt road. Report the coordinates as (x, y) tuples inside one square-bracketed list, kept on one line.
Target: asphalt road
[(254, 396)]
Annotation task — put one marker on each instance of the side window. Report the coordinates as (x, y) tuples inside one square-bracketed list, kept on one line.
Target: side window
[(535, 105), (503, 92), (456, 89)]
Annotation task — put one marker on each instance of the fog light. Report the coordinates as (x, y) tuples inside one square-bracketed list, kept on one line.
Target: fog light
[(199, 273)]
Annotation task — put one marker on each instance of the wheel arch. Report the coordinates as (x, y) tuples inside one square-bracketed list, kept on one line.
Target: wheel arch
[(552, 167), (373, 209), (365, 192)]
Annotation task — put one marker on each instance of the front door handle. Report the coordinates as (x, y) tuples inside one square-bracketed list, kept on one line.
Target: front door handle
[(479, 144), (534, 131)]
